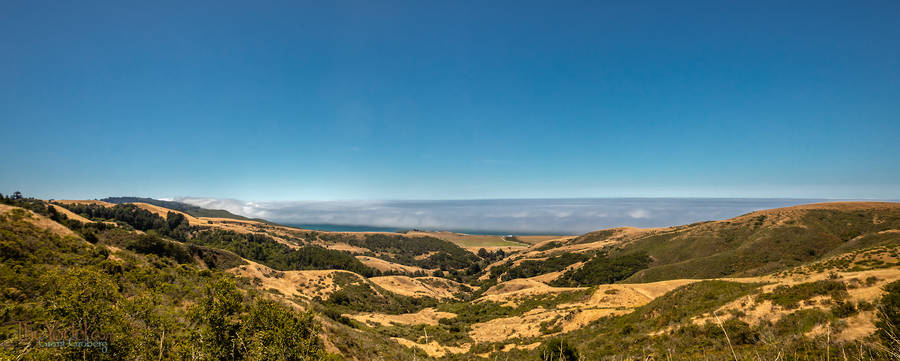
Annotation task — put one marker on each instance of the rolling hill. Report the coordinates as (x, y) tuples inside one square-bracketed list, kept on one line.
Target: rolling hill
[(174, 282), (183, 207)]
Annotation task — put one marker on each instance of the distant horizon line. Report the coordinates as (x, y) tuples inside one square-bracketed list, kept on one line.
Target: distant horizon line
[(177, 198), (827, 199), (338, 227), (523, 198), (503, 215)]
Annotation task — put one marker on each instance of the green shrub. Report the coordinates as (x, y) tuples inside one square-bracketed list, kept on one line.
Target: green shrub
[(362, 296), (406, 250), (142, 306), (604, 269), (149, 244), (843, 309), (266, 250), (558, 349), (739, 332), (526, 269), (790, 296), (800, 322), (549, 327), (865, 306), (226, 326), (889, 316)]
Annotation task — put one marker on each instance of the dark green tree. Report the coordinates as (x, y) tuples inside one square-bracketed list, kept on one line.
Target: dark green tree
[(175, 220), (483, 253)]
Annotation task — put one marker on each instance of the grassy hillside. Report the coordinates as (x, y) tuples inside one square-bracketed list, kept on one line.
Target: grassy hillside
[(160, 293), (158, 284), (753, 244), (764, 242), (133, 305), (183, 207)]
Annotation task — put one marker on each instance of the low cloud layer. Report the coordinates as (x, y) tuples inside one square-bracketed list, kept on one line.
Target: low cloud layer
[(562, 216)]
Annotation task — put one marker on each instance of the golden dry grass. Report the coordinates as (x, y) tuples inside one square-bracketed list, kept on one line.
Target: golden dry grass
[(75, 201), (432, 348), (384, 266), (858, 326), (625, 235), (305, 284), (72, 215), (163, 212), (539, 239), (607, 300), (40, 221), (427, 316), (840, 206), (434, 287), (342, 246), (506, 249), (615, 299), (220, 219), (278, 233), (529, 324), (525, 287)]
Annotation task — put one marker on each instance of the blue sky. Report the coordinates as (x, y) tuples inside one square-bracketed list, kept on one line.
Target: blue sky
[(277, 101)]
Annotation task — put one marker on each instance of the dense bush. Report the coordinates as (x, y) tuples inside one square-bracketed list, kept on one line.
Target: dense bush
[(228, 327), (843, 309), (18, 200), (215, 258), (256, 247), (755, 244), (558, 349), (88, 231), (265, 250), (790, 296), (533, 268), (135, 307), (889, 316), (134, 216), (739, 332), (604, 269), (357, 294), (491, 256), (175, 225), (364, 298), (408, 250), (800, 322), (149, 244)]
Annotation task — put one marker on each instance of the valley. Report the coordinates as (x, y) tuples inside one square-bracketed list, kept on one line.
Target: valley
[(789, 283)]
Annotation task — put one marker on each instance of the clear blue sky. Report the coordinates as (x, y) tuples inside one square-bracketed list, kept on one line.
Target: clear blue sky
[(450, 100)]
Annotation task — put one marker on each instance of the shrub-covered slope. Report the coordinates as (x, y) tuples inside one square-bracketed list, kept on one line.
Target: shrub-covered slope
[(133, 305), (756, 243), (183, 207)]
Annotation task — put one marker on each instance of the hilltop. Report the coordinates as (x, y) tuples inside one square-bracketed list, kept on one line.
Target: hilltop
[(752, 244), (783, 283), (183, 207)]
